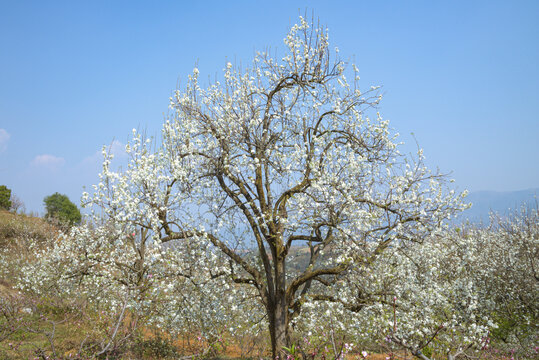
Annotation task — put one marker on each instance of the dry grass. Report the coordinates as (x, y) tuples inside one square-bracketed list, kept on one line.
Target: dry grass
[(19, 231)]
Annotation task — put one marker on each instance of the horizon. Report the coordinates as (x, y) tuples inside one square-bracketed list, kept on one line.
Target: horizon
[(76, 77)]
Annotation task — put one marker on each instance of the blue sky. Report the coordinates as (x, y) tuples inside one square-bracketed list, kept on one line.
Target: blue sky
[(463, 76)]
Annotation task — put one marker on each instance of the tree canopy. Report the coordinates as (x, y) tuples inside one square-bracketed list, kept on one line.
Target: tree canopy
[(5, 197), (59, 207)]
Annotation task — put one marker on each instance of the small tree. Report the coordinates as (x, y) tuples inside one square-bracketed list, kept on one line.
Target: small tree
[(5, 196), (59, 207), (17, 205), (506, 270)]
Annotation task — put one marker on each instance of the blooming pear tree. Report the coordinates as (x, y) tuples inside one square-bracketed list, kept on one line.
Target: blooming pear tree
[(284, 155), (506, 263)]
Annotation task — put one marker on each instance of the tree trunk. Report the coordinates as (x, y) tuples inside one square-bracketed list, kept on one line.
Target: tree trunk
[(281, 329), (278, 312)]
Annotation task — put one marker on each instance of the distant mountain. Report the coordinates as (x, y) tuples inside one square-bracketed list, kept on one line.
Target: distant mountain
[(503, 203)]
